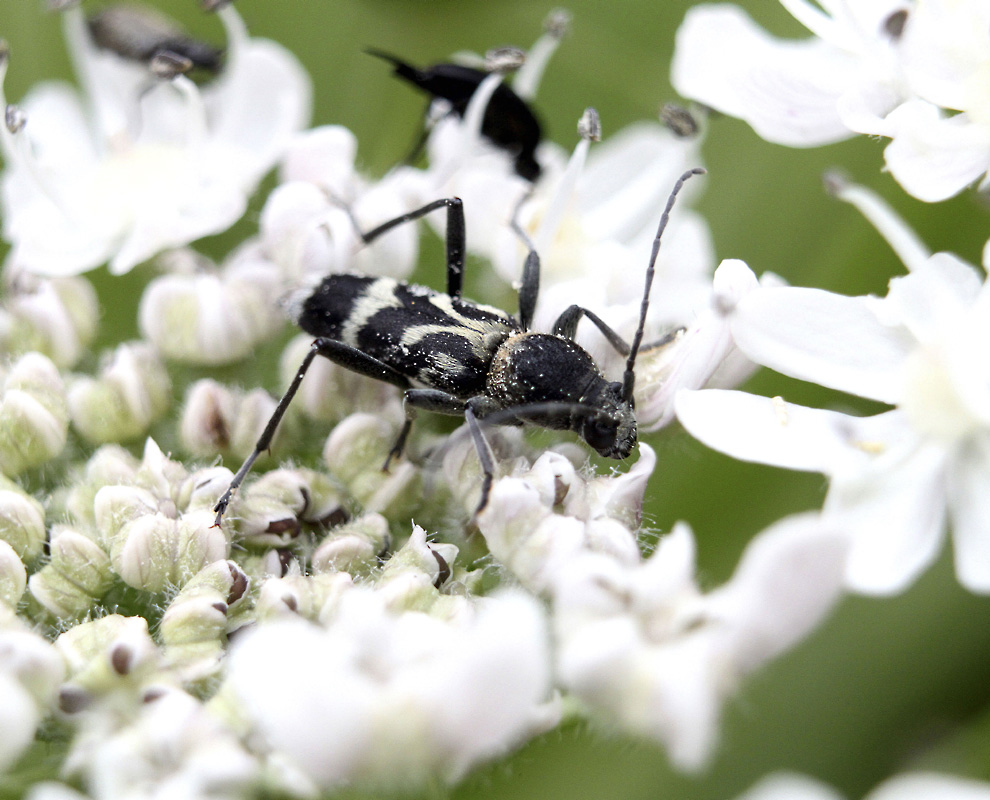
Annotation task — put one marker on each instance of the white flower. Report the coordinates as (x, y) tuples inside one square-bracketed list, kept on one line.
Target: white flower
[(895, 476), (387, 699), (168, 746), (643, 647), (907, 786), (702, 355), (146, 170), (913, 72)]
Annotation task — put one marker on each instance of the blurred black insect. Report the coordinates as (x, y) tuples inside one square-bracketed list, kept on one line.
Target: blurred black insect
[(142, 34), (508, 123), (472, 360)]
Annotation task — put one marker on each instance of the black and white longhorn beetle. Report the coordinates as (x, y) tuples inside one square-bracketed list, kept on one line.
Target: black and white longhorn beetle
[(473, 360)]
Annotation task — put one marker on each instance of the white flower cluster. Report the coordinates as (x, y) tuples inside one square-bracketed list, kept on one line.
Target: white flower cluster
[(347, 626), (912, 71)]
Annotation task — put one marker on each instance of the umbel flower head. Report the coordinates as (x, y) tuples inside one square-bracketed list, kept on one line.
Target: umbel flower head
[(139, 158), (913, 72)]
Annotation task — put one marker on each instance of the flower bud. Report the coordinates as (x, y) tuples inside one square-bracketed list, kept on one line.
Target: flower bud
[(154, 551), (75, 579), (103, 652), (271, 510), (210, 318), (108, 466), (193, 631), (30, 673), (33, 414), (13, 575), (219, 421), (411, 577), (22, 521), (133, 390), (355, 453), (312, 597), (55, 316), (354, 546)]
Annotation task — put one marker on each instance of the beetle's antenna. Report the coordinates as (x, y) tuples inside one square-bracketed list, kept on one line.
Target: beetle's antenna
[(629, 377)]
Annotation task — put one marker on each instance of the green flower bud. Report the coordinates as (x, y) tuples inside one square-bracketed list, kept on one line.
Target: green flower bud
[(105, 653), (194, 626), (354, 546), (33, 414), (13, 575), (218, 420), (411, 577), (75, 579), (55, 316), (271, 509), (22, 521), (355, 453), (108, 466), (208, 318), (133, 390), (155, 551), (312, 597)]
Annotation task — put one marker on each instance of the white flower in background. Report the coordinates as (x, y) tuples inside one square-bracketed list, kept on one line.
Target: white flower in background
[(312, 224), (907, 786), (135, 165), (643, 647), (389, 699), (911, 71), (897, 478)]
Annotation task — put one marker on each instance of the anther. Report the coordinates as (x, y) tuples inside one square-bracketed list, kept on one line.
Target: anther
[(590, 125), (167, 65), (678, 120), (14, 118), (504, 59)]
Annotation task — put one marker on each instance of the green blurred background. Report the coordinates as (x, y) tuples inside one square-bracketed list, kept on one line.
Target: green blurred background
[(884, 685)]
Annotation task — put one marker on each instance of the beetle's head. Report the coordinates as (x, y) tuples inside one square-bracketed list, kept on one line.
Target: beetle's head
[(610, 426)]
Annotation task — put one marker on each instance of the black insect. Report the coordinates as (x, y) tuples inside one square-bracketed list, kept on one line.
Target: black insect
[(508, 123), (140, 34), (472, 360)]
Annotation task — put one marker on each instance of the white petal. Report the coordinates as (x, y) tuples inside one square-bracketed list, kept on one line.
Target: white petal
[(18, 718), (968, 486), (324, 156), (932, 297), (771, 431), (260, 101), (824, 338), (934, 156), (927, 786), (896, 517), (787, 581), (786, 786), (786, 90)]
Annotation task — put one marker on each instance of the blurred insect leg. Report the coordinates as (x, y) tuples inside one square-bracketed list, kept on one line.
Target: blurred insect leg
[(456, 237)]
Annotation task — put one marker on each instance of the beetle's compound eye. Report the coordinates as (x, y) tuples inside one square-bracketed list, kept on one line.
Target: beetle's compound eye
[(600, 433)]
